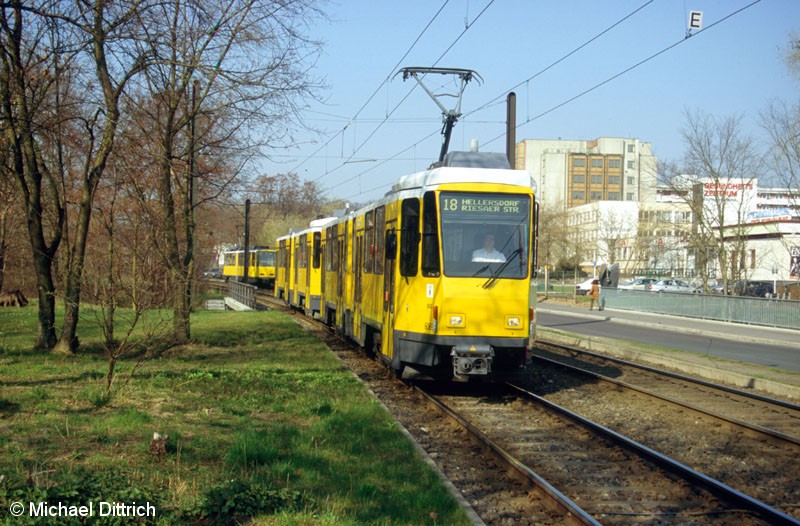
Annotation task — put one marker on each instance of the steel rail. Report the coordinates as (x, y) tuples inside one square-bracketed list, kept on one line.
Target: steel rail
[(682, 403), (698, 381), (723, 491), (547, 490)]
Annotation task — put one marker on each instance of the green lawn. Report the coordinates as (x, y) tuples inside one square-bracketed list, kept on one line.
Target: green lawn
[(265, 426)]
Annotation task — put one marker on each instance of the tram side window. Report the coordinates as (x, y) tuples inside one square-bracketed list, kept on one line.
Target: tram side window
[(317, 250), (369, 241), (535, 248), (331, 252), (409, 238), (430, 236), (380, 238), (302, 252)]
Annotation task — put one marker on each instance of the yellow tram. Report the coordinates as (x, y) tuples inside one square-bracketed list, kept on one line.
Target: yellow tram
[(300, 269), (261, 266), (436, 275)]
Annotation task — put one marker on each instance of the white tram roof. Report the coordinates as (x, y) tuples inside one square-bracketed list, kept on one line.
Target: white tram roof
[(314, 226), (466, 167)]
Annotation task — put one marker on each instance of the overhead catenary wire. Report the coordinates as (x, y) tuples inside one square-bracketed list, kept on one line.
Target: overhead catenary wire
[(441, 56), (496, 100), (501, 98), (376, 91), (626, 70), (565, 102)]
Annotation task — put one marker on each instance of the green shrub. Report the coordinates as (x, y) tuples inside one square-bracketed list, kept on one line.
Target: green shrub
[(237, 500)]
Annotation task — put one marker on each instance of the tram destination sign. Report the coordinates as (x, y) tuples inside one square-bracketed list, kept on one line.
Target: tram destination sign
[(454, 205)]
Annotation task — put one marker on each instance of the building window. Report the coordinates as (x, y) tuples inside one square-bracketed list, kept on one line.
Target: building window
[(630, 180), (614, 163), (578, 196), (597, 163), (629, 196), (579, 162), (597, 179), (631, 148), (613, 179), (580, 179), (596, 196), (631, 164), (613, 196)]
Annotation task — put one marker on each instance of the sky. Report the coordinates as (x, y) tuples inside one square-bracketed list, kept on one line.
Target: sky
[(581, 69)]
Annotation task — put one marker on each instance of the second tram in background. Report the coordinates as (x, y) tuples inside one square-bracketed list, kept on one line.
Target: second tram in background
[(261, 267), (436, 275)]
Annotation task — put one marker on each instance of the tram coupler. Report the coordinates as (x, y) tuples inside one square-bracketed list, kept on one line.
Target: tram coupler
[(472, 359)]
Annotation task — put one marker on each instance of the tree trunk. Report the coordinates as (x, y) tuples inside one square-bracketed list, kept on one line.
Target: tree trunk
[(181, 309), (43, 263), (46, 337), (68, 342)]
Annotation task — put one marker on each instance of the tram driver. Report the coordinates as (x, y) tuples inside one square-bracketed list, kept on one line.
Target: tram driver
[(488, 254)]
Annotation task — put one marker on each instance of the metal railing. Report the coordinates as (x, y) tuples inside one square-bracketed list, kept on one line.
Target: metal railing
[(243, 293), (739, 309)]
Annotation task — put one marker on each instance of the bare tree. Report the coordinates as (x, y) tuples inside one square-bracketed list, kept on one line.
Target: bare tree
[(47, 47), (284, 202), (28, 97), (792, 55), (121, 282), (615, 224), (222, 66), (552, 237), (718, 180), (110, 31), (782, 123)]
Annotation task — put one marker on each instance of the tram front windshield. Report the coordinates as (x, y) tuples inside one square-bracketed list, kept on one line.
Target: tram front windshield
[(485, 234), (266, 259)]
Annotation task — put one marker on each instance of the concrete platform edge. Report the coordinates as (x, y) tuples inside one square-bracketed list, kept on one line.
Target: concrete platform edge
[(618, 350)]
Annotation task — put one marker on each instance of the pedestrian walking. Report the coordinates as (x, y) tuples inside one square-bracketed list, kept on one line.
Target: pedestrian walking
[(594, 293)]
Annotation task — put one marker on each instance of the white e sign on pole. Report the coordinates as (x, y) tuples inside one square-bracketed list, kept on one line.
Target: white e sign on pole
[(695, 22)]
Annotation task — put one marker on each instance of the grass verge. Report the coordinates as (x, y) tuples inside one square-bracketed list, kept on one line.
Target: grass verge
[(264, 426)]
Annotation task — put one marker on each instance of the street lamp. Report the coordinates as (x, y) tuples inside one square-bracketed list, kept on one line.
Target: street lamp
[(774, 280)]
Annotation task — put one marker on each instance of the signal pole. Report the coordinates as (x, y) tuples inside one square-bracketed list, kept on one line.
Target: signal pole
[(246, 241)]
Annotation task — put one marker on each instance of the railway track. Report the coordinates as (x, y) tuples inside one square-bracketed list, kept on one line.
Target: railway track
[(770, 415), (484, 444), (614, 479), (745, 440)]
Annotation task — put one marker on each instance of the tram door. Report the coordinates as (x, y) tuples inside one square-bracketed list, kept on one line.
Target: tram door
[(389, 271), (358, 270), (341, 301)]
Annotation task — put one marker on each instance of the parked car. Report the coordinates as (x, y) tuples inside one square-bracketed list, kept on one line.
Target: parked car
[(756, 289), (718, 289), (671, 285), (583, 288), (215, 273), (637, 284)]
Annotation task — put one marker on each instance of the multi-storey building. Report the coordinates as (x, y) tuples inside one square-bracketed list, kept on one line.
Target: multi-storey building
[(617, 213), (574, 173)]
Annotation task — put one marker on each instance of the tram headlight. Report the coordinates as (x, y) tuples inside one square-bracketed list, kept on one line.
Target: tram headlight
[(456, 320), (513, 322)]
